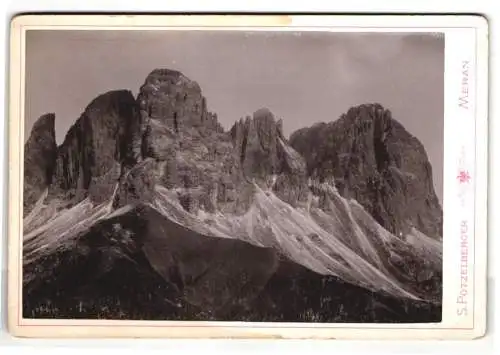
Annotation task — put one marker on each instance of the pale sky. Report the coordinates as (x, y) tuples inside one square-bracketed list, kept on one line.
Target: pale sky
[(302, 78)]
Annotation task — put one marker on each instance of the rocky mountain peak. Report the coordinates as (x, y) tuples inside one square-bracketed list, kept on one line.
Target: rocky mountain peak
[(105, 138), (45, 123), (266, 158), (172, 98), (258, 141), (39, 159), (373, 159)]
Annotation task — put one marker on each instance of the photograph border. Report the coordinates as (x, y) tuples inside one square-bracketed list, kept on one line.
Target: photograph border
[(476, 208)]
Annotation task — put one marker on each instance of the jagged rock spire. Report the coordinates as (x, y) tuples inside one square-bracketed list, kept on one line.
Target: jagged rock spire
[(39, 159), (374, 160)]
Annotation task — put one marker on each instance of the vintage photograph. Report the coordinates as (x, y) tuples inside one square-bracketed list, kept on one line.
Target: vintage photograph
[(255, 176)]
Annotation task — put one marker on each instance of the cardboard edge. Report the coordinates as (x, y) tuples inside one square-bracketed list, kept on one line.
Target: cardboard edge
[(13, 272), (482, 155), (26, 331)]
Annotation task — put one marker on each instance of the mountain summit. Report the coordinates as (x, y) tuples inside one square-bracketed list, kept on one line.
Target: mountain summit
[(374, 160), (40, 151), (152, 211)]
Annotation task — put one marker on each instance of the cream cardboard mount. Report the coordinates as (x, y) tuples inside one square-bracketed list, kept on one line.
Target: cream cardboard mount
[(248, 176)]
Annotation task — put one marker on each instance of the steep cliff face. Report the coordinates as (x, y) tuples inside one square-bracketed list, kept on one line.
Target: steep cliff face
[(106, 137), (136, 185), (267, 159), (256, 141), (193, 154), (39, 159), (175, 100), (373, 159)]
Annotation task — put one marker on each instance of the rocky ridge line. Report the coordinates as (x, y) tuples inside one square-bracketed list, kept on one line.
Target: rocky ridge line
[(374, 160)]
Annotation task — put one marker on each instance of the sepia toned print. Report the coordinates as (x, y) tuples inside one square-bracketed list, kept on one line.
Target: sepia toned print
[(154, 205), (248, 176)]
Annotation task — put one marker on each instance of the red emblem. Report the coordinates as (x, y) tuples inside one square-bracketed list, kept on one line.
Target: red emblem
[(463, 177)]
